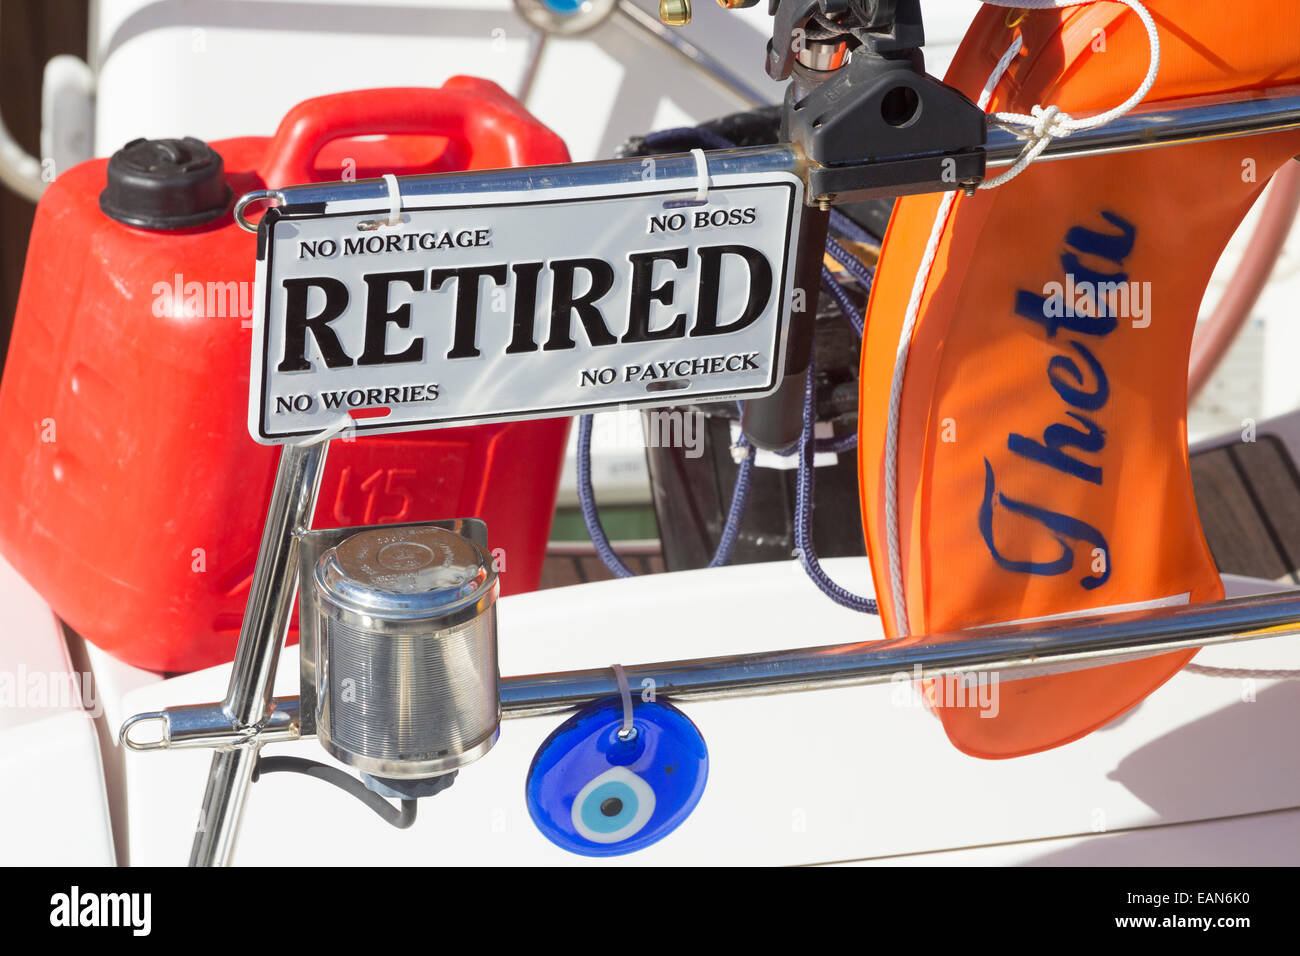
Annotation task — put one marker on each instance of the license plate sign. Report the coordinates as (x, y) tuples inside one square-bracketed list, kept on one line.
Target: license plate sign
[(529, 308)]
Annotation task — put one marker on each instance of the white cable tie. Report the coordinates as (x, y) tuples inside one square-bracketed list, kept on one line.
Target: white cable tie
[(701, 175), (394, 200), (325, 434), (626, 693)]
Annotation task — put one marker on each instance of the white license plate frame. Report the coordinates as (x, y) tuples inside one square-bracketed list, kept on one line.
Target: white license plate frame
[(608, 223)]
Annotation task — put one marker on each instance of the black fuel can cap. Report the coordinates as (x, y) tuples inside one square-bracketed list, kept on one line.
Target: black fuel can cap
[(166, 184)]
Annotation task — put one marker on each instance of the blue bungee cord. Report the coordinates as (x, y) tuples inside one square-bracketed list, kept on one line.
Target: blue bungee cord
[(685, 138), (591, 517), (830, 286), (806, 448), (803, 543), (850, 230)]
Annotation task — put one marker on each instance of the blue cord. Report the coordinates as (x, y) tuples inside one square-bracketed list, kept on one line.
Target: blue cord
[(842, 299), (807, 446), (850, 441), (836, 446), (852, 264), (849, 229), (739, 498), (696, 137), (803, 543), (591, 517), (587, 502)]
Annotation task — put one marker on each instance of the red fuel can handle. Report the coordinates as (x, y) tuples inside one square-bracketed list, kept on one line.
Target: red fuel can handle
[(480, 125)]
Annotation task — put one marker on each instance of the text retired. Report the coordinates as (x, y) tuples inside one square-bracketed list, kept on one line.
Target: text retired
[(579, 288)]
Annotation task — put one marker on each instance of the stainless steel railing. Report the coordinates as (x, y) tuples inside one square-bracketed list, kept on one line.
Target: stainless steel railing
[(1009, 651)]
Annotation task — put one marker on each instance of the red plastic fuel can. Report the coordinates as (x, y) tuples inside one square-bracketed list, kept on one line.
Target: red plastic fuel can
[(131, 496)]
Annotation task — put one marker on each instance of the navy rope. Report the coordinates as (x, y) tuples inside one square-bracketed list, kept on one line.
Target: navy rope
[(803, 543), (864, 276), (587, 502), (591, 517), (808, 445), (849, 229), (687, 137), (739, 498), (842, 299), (852, 264)]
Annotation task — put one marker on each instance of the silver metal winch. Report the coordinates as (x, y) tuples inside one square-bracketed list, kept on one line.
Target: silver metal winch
[(399, 648)]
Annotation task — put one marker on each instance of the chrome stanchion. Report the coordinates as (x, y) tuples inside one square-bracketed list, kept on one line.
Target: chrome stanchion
[(248, 703)]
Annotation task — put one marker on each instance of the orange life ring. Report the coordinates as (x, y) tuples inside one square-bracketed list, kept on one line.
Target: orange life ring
[(1042, 454)]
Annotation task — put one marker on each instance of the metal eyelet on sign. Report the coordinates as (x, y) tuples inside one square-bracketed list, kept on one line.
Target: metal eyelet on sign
[(272, 196)]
